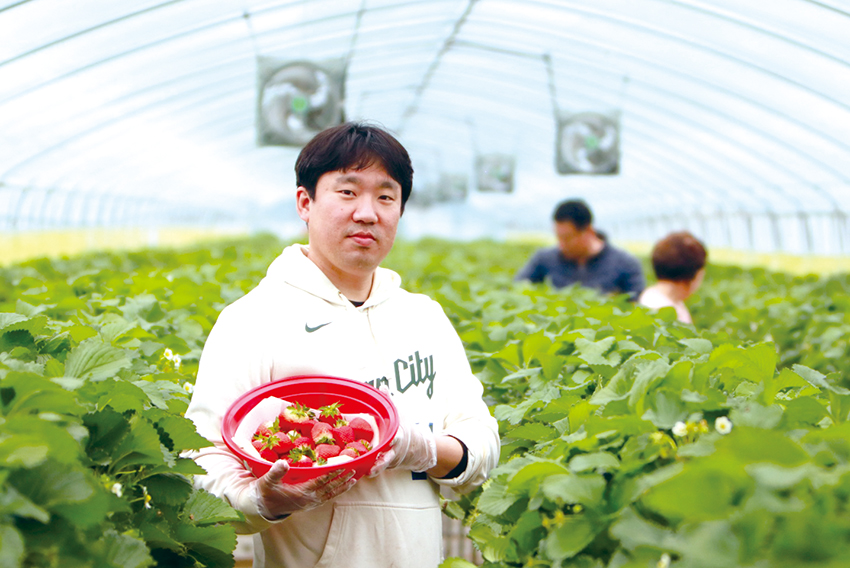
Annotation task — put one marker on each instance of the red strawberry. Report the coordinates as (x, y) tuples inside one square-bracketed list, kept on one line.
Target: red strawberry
[(330, 414), (325, 451), (365, 444), (269, 455), (303, 441), (302, 457), (306, 427), (350, 452), (258, 444), (262, 432), (356, 446), (303, 461), (296, 414), (321, 433), (343, 435), (283, 445), (362, 429)]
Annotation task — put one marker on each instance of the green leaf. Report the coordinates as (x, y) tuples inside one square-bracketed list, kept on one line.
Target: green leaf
[(818, 380), (11, 546), (697, 345), (160, 392), (212, 545), (206, 509), (168, 489), (527, 479), (140, 446), (495, 499), (9, 322), (13, 503), (180, 430), (533, 431), (570, 488), (123, 551), (92, 359), (701, 492), (570, 538), (751, 445), (803, 411), (513, 414), (534, 344), (594, 352), (48, 486), (455, 562), (596, 461)]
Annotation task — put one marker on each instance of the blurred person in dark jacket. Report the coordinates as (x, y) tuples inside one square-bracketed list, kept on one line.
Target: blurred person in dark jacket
[(583, 256)]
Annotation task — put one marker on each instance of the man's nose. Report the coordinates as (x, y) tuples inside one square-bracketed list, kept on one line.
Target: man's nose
[(365, 212)]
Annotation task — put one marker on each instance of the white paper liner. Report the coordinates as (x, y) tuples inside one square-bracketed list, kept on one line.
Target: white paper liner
[(270, 408)]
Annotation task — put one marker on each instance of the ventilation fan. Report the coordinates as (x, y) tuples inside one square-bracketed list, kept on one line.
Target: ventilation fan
[(588, 143), (495, 173), (297, 100)]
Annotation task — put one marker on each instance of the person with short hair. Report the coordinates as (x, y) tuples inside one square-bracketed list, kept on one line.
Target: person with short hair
[(679, 264), (583, 256), (329, 309)]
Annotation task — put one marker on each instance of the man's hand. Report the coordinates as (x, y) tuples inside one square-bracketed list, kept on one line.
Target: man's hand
[(276, 499), (414, 447)]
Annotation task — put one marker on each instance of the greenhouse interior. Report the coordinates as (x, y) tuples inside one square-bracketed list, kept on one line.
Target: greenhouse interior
[(692, 412)]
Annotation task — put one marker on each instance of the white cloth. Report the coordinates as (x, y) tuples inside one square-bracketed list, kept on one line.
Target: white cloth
[(296, 322), (654, 298)]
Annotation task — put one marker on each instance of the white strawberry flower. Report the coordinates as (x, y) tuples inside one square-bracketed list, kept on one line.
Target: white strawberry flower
[(680, 429), (168, 354), (147, 497), (664, 561), (188, 387), (723, 425), (118, 489)]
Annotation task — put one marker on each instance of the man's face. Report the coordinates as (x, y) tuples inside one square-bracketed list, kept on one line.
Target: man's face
[(572, 241), (352, 221)]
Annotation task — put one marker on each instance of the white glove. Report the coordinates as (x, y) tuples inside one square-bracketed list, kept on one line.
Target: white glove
[(414, 447), (276, 500)]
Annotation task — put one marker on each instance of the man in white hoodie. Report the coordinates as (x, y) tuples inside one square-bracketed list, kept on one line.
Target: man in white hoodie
[(329, 309)]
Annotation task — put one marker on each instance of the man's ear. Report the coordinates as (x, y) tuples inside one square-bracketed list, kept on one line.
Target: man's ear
[(302, 203)]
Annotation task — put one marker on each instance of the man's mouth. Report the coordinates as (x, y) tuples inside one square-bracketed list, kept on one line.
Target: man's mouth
[(363, 239)]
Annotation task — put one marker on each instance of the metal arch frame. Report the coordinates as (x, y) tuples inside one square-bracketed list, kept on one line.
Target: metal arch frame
[(81, 33), (685, 173), (777, 141), (819, 134), (127, 96), (694, 160), (432, 68), (666, 32), (695, 79), (179, 98), (107, 140), (106, 174), (714, 134), (113, 57)]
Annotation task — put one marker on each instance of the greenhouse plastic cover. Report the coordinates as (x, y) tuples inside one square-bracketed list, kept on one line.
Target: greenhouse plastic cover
[(734, 115)]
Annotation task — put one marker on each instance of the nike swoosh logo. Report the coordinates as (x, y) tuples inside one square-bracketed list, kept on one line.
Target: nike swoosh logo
[(309, 329)]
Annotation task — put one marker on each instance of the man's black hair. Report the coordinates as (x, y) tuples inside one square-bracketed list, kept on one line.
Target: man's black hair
[(353, 146), (574, 211)]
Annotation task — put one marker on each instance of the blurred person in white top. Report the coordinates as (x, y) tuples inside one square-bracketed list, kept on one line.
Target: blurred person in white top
[(679, 263)]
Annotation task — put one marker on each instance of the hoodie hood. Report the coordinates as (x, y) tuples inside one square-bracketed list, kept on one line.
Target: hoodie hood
[(293, 267)]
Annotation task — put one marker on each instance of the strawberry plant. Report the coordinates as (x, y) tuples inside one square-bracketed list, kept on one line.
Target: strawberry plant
[(628, 439)]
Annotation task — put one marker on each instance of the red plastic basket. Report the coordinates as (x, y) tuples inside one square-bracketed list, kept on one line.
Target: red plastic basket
[(316, 391)]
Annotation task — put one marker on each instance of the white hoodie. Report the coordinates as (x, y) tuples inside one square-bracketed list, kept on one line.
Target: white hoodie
[(296, 322)]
